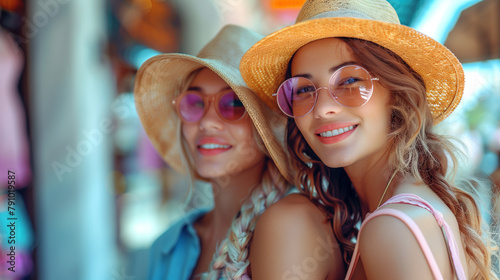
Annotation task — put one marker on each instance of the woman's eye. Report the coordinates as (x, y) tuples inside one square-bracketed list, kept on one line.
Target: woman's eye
[(198, 104), (236, 103), (304, 91), (349, 81)]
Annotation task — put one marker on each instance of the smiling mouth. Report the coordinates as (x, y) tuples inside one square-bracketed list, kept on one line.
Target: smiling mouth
[(336, 132), (211, 146)]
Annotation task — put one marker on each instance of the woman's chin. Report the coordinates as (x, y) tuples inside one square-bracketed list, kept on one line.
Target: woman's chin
[(334, 163)]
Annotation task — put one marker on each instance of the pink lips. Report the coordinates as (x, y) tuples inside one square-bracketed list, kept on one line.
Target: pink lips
[(332, 127), (209, 146)]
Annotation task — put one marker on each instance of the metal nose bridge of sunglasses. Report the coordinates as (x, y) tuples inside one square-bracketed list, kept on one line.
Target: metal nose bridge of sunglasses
[(332, 95)]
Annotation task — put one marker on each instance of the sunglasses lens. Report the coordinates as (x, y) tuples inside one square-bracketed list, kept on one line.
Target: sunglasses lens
[(296, 96), (230, 107), (191, 107), (351, 86)]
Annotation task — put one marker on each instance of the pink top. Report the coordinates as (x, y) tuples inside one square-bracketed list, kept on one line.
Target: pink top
[(448, 234)]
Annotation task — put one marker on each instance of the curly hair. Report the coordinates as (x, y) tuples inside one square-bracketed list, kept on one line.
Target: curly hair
[(340, 204), (416, 152)]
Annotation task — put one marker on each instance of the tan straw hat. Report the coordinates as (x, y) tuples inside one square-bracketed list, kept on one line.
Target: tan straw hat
[(159, 81), (264, 66)]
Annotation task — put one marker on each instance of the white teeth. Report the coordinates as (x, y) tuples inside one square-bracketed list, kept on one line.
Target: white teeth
[(214, 146), (336, 132)]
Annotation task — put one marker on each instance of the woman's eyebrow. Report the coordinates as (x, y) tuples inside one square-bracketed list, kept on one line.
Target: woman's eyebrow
[(195, 89), (335, 68), (225, 88), (307, 76)]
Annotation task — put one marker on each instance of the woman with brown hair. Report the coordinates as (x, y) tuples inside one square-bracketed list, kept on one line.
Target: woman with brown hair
[(362, 93)]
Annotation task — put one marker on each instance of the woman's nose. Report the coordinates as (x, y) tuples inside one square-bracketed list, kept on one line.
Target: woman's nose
[(211, 119), (325, 104)]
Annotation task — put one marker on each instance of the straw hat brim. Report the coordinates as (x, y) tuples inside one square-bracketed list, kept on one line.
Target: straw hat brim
[(157, 84), (264, 65)]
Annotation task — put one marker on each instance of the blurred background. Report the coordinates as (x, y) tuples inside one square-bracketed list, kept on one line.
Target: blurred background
[(91, 192)]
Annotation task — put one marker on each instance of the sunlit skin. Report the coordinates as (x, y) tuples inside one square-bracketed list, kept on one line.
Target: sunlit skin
[(237, 150), (360, 150), (363, 153), (233, 168)]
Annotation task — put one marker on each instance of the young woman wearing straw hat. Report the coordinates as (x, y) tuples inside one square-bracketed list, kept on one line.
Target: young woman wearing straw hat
[(204, 121), (362, 93)]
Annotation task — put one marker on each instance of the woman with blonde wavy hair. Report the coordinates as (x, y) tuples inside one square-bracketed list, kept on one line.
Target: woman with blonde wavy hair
[(362, 93), (204, 121)]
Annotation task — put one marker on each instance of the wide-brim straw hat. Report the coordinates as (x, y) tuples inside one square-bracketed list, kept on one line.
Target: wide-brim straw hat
[(159, 81), (264, 66)]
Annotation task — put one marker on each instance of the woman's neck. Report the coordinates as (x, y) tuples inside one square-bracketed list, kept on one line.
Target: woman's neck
[(229, 194), (370, 182)]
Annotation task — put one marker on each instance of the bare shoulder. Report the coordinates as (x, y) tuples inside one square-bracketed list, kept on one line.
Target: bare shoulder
[(388, 244), (295, 206), (292, 238), (292, 219)]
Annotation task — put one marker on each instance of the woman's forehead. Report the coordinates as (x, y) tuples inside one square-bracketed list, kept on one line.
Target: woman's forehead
[(327, 53)]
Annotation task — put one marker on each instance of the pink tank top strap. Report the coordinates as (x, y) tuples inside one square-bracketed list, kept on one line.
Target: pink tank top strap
[(416, 201), (354, 262)]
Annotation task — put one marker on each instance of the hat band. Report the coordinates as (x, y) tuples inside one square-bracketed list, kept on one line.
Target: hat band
[(335, 14)]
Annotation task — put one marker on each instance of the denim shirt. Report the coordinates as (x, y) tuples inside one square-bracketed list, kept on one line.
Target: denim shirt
[(173, 256)]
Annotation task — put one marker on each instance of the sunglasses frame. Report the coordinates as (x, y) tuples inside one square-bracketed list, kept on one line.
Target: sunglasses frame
[(214, 98), (332, 94)]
